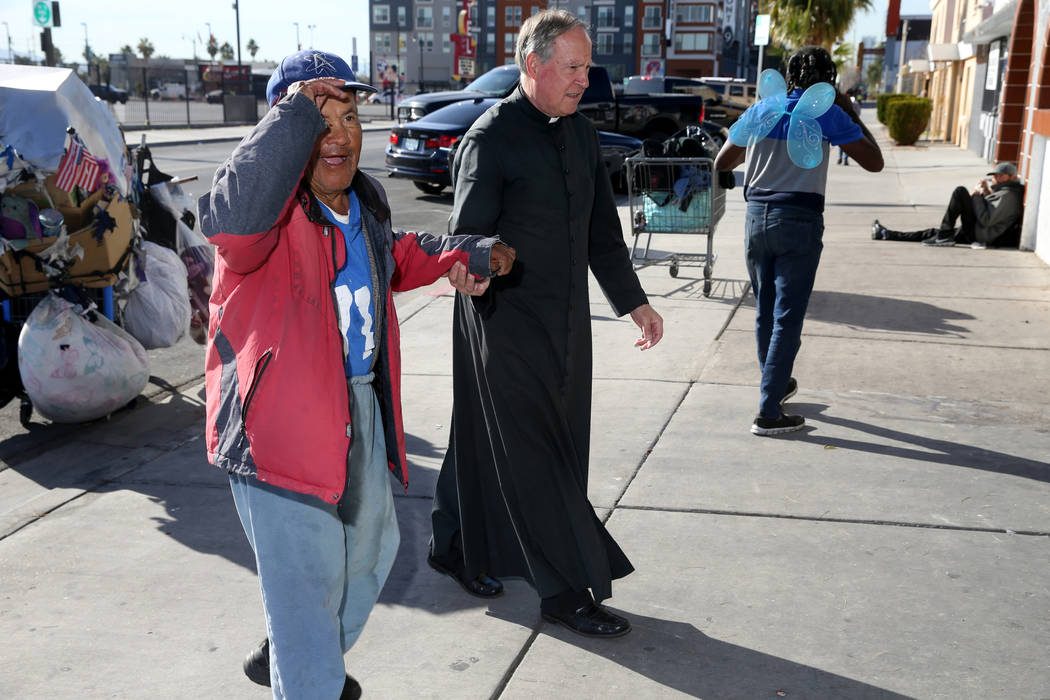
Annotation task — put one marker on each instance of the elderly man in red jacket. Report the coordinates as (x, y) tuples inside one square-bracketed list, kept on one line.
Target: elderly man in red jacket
[(303, 365)]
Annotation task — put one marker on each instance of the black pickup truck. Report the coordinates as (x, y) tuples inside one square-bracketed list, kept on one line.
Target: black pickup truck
[(640, 116)]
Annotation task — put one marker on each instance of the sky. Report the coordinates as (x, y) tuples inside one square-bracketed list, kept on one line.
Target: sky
[(172, 25)]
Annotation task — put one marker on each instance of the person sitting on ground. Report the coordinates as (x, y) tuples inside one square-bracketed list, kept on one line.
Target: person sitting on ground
[(988, 216)]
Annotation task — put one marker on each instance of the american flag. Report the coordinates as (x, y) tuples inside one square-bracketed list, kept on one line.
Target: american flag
[(78, 168)]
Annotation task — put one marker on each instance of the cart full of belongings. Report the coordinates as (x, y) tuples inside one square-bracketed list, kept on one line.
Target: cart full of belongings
[(76, 222)]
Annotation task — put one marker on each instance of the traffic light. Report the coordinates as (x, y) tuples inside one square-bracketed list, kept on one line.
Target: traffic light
[(56, 18)]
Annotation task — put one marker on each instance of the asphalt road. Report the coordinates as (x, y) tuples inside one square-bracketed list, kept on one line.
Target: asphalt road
[(184, 362)]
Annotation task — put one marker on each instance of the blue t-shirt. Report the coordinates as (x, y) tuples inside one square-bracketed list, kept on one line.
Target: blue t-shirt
[(770, 175), (353, 292)]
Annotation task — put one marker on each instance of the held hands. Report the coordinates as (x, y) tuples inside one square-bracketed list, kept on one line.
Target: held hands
[(982, 187), (502, 259), (652, 325), (501, 262)]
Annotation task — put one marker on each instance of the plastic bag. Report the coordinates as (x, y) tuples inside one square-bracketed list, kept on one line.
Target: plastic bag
[(157, 312), (197, 255), (76, 364)]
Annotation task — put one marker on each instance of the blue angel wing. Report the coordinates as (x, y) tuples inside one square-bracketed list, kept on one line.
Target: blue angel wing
[(771, 83), (756, 123), (804, 141)]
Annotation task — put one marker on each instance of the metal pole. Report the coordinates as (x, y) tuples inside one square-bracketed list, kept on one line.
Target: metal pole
[(87, 50), (237, 13), (298, 46), (311, 28), (900, 62), (10, 52)]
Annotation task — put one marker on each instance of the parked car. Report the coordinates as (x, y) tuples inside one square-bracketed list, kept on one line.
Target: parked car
[(725, 99), (215, 96), (168, 91), (734, 96), (384, 96), (419, 150), (497, 82), (640, 116), (109, 93)]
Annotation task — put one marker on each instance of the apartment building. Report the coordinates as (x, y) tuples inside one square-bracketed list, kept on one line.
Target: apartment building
[(412, 39)]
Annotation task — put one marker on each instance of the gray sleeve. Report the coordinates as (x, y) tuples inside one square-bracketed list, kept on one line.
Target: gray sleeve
[(251, 188)]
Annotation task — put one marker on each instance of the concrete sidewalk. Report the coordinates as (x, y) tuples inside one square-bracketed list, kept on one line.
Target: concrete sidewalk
[(899, 547)]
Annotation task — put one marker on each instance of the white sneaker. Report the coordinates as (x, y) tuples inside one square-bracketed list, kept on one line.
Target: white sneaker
[(977, 245)]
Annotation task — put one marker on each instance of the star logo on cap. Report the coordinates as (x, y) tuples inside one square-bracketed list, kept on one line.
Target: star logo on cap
[(319, 64)]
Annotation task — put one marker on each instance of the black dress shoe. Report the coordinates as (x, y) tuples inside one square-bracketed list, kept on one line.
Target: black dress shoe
[(483, 586), (591, 620), (257, 668)]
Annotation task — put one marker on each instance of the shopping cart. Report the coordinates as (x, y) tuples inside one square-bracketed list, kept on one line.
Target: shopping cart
[(677, 196)]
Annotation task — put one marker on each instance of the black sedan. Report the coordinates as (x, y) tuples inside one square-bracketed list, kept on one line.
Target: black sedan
[(419, 150)]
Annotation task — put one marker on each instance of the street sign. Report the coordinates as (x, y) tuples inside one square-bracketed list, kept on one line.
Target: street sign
[(42, 13), (761, 30)]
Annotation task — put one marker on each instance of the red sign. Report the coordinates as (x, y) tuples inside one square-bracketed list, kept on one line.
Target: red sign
[(464, 44)]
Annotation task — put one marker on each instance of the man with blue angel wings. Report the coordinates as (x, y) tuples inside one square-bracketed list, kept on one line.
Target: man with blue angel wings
[(783, 140)]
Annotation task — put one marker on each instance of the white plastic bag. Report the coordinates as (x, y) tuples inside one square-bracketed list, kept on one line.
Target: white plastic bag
[(158, 309), (75, 369), (198, 255)]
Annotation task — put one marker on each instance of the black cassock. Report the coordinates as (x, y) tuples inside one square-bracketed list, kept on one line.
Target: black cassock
[(514, 480)]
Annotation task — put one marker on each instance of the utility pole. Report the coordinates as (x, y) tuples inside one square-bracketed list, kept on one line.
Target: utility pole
[(10, 53), (311, 28), (298, 46), (237, 14), (900, 62), (87, 50)]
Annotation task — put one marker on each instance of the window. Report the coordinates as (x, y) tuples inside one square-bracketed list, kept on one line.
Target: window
[(490, 16), (381, 14), (605, 44), (581, 12), (446, 16), (693, 13), (512, 16), (536, 10), (383, 43), (628, 16), (426, 41), (692, 41), (653, 18), (402, 17), (446, 43), (606, 16), (509, 41), (424, 17), (650, 44)]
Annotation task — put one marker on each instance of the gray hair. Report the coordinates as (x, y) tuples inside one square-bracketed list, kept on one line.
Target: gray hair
[(539, 31)]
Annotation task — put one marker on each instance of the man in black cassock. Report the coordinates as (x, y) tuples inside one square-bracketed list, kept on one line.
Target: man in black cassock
[(511, 498)]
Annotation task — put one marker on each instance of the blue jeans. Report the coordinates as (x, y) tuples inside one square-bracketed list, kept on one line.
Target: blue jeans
[(320, 568), (782, 247)]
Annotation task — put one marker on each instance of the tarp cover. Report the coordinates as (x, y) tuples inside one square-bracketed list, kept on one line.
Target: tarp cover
[(37, 104)]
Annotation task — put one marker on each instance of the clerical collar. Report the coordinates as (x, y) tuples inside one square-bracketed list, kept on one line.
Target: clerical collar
[(553, 119)]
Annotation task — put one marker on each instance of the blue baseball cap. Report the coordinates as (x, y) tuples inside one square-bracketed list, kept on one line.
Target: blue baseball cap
[(309, 64)]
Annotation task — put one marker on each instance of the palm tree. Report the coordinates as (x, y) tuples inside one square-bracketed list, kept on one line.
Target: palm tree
[(800, 23), (145, 48), (252, 47), (213, 47), (226, 51)]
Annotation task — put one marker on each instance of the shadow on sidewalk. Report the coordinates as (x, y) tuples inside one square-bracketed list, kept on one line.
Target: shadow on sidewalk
[(925, 449), (679, 656), (884, 313)]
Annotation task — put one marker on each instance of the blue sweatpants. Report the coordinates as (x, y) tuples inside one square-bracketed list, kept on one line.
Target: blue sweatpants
[(321, 566)]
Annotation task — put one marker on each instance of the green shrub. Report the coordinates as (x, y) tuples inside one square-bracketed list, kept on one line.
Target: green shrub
[(883, 100), (907, 118)]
